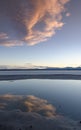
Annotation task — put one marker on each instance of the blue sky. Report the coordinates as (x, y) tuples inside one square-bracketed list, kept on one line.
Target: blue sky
[(61, 49)]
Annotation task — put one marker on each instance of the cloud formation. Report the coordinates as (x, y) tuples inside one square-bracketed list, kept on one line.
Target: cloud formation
[(24, 66), (30, 22)]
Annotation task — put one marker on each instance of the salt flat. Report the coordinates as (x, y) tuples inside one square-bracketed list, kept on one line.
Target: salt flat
[(38, 72)]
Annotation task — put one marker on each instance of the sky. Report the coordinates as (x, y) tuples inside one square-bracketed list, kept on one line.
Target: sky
[(40, 33)]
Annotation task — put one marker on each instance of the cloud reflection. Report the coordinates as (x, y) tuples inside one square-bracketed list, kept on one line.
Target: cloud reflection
[(18, 112), (27, 103)]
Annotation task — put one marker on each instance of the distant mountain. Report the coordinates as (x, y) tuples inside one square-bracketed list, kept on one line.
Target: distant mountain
[(47, 68), (65, 68)]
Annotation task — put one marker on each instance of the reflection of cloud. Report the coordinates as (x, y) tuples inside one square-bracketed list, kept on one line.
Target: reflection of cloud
[(29, 21), (35, 104), (8, 97), (17, 111), (2, 105), (27, 103)]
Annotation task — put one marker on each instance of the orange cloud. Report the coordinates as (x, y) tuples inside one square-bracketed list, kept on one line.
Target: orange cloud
[(31, 21), (12, 43), (47, 14)]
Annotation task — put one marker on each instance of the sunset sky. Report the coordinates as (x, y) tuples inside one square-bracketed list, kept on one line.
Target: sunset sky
[(40, 33)]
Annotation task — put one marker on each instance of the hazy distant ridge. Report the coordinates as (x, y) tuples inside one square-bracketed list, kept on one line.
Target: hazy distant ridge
[(47, 68)]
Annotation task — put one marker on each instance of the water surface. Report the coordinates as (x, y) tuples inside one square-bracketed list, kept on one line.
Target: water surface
[(64, 95)]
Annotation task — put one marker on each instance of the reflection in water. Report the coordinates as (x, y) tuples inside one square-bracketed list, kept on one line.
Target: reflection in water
[(19, 112), (36, 104), (28, 103)]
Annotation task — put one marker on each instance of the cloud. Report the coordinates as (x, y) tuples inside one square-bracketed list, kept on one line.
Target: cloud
[(11, 43), (3, 36), (68, 14), (24, 66), (29, 22)]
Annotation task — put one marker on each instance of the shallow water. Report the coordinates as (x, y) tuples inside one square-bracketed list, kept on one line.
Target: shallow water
[(64, 95)]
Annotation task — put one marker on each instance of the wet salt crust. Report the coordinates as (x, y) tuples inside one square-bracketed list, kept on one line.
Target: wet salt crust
[(18, 120)]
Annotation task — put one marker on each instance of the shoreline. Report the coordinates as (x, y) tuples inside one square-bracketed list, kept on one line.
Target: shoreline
[(41, 76)]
